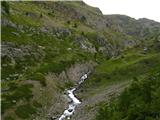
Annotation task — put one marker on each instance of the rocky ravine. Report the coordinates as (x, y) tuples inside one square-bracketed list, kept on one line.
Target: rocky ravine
[(73, 101), (57, 101)]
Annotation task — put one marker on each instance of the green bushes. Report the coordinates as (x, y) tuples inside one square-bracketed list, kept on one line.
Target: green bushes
[(12, 86), (141, 101), (38, 77), (54, 66), (22, 92), (36, 104), (91, 36), (68, 22), (5, 104), (5, 5), (25, 111), (75, 25), (83, 19), (8, 118), (68, 84), (51, 67)]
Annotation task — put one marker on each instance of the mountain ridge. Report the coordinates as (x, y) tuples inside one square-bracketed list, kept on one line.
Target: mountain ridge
[(47, 46)]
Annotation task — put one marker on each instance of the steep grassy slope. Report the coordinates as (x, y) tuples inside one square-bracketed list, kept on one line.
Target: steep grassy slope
[(29, 55), (47, 46)]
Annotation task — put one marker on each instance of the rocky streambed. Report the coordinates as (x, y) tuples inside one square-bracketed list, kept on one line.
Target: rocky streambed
[(72, 100)]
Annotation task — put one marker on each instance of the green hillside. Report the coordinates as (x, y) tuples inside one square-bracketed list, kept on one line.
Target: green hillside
[(47, 46)]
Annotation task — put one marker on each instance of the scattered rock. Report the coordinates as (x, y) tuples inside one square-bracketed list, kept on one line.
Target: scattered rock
[(15, 33), (14, 101)]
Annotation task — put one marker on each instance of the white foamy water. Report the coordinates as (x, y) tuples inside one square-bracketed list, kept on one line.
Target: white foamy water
[(74, 101)]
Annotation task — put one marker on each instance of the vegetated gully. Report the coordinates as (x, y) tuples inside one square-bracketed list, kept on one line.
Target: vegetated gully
[(73, 102)]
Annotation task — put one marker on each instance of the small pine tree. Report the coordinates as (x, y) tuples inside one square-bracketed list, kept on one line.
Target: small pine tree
[(41, 15), (68, 22), (82, 33), (75, 25), (83, 19)]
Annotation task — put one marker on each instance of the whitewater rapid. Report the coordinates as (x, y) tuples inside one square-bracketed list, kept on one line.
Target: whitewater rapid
[(73, 101)]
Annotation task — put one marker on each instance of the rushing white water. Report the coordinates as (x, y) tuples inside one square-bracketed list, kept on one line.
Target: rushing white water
[(74, 101)]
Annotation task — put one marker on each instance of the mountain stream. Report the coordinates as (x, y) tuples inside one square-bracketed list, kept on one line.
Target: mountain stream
[(73, 102)]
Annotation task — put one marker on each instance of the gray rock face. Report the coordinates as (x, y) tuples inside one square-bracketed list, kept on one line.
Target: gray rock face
[(129, 43), (6, 22), (77, 70), (30, 14), (101, 41), (85, 44), (61, 32), (15, 52)]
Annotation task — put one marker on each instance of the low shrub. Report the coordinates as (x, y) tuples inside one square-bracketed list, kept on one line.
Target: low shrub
[(8, 118), (53, 67), (23, 91), (36, 104), (25, 111), (5, 104), (68, 84), (38, 77)]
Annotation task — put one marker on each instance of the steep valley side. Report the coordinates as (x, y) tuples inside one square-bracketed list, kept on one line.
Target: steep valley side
[(46, 46)]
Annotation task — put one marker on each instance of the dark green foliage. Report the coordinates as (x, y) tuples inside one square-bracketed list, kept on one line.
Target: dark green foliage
[(38, 77), (6, 60), (5, 104), (55, 67), (68, 84), (26, 13), (23, 91), (139, 102), (6, 71), (41, 15), (12, 86), (68, 22), (75, 25), (135, 78), (51, 67), (8, 118), (92, 36), (36, 104), (83, 19), (82, 33), (5, 5), (51, 14), (25, 111)]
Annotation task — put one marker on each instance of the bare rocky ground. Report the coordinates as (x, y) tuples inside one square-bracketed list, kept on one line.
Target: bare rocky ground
[(87, 110)]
